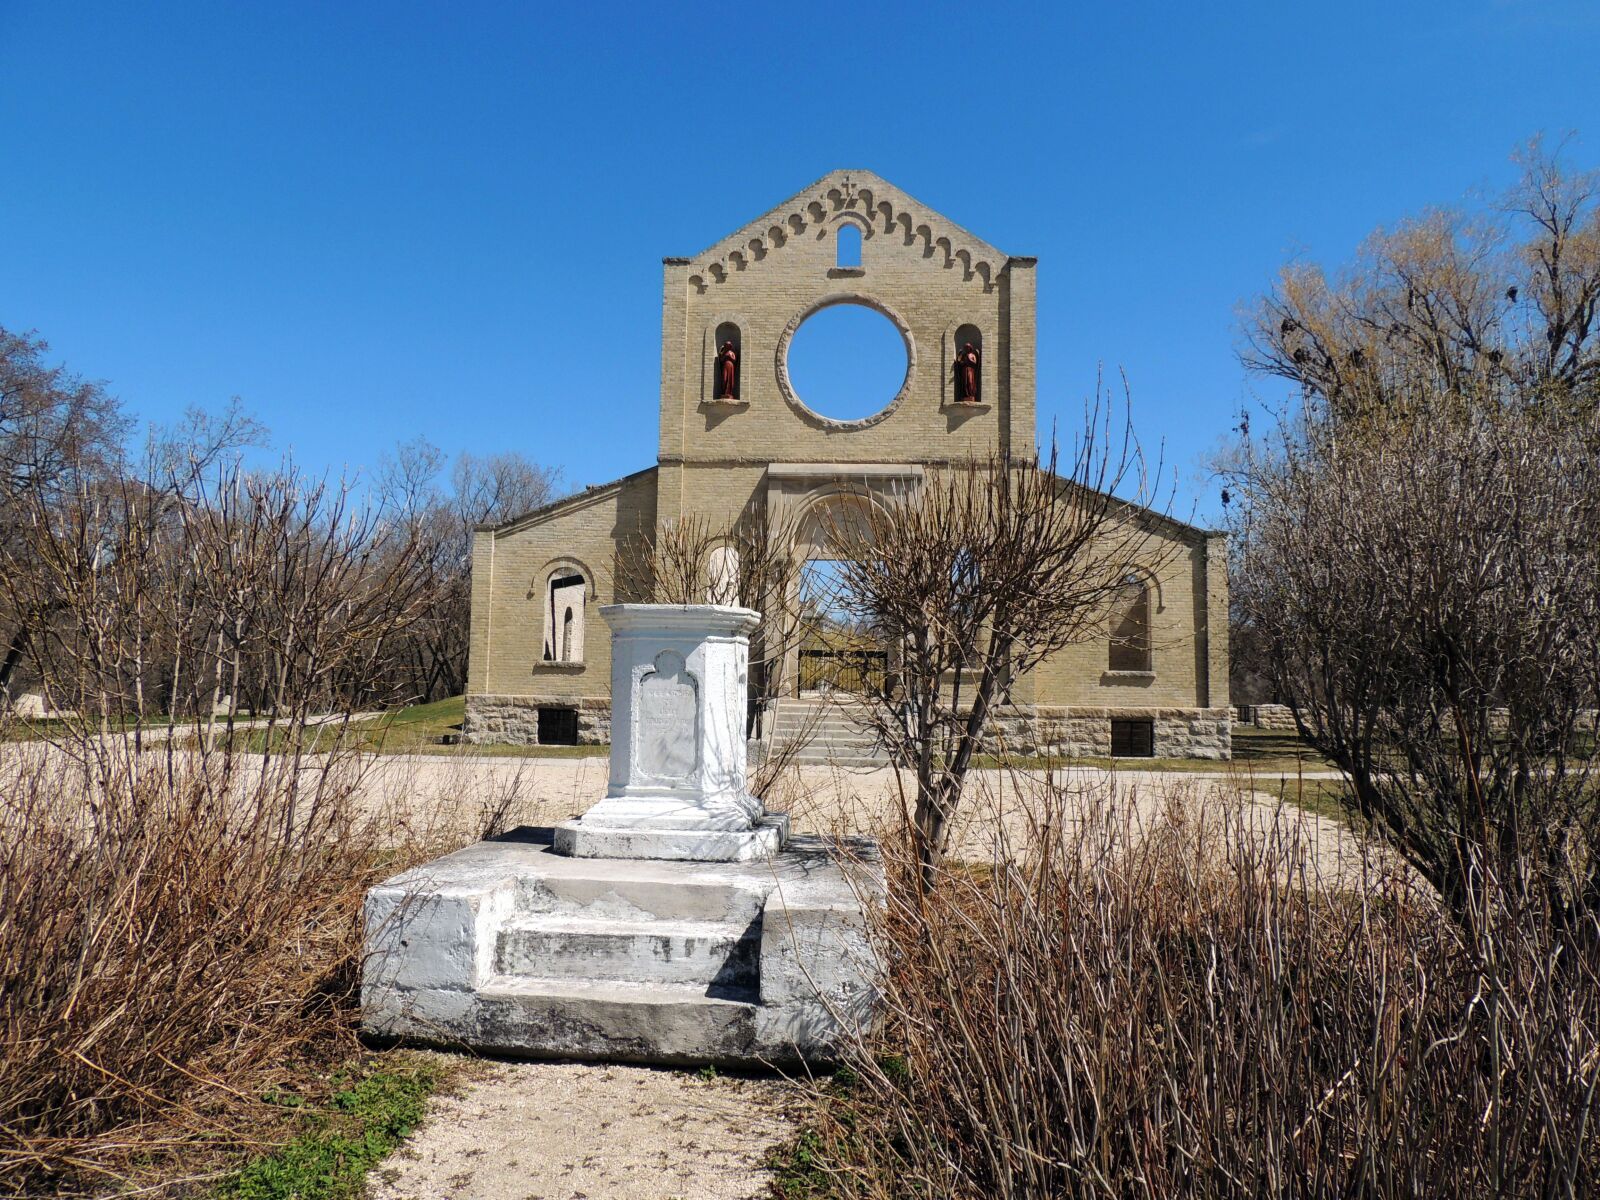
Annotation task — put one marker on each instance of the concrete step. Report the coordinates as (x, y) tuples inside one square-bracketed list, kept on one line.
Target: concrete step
[(645, 891), (853, 738), (823, 735), (851, 762), (703, 953), (627, 1022)]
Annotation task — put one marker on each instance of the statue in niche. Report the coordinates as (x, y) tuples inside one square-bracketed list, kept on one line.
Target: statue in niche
[(727, 387), (968, 375)]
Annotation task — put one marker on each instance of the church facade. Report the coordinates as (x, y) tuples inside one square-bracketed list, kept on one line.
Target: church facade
[(736, 438)]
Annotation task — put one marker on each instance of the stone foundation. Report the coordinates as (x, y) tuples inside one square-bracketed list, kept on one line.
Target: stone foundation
[(514, 720), (1086, 732), (1058, 732), (1268, 716)]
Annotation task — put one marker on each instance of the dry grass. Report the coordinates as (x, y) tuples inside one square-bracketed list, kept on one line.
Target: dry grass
[(1166, 1004), (179, 935)]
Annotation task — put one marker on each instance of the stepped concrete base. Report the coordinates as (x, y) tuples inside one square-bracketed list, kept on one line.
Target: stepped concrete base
[(512, 948), (581, 839)]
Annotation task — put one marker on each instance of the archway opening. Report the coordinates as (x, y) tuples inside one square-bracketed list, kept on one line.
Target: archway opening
[(840, 650)]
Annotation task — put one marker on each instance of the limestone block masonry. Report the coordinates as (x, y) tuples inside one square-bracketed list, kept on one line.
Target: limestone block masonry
[(514, 720), (1086, 732)]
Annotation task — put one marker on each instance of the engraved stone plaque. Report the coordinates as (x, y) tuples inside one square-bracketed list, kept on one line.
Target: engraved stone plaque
[(665, 745)]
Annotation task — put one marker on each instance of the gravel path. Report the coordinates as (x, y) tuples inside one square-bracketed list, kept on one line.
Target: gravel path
[(572, 1131)]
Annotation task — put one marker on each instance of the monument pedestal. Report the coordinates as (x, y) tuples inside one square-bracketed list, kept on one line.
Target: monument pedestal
[(675, 921), (679, 688)]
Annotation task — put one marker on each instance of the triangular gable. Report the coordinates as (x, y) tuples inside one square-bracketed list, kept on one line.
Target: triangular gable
[(871, 200)]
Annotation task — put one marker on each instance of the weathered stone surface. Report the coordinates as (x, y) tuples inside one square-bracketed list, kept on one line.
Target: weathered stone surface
[(514, 720), (1270, 716), (678, 755), (509, 947), (764, 839), (1086, 732)]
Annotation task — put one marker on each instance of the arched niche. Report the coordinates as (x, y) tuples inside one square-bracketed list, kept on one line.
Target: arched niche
[(966, 383), (726, 377), (847, 246), (1130, 645)]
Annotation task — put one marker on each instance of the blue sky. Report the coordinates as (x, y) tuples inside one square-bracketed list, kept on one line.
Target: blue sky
[(377, 221)]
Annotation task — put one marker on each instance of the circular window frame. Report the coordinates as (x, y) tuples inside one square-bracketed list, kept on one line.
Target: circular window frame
[(834, 299)]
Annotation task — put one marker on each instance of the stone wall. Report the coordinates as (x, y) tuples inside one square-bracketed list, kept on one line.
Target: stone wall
[(1086, 732), (514, 720), (1268, 716)]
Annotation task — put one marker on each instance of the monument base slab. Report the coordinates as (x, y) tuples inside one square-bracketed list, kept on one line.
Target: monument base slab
[(581, 839), (510, 947)]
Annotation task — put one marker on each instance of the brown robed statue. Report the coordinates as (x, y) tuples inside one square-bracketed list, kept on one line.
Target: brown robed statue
[(727, 373), (968, 377)]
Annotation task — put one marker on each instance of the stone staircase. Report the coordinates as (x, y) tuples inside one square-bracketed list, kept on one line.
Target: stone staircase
[(635, 960), (661, 959), (832, 731)]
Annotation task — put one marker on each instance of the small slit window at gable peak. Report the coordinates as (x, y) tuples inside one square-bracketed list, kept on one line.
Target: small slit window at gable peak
[(847, 246)]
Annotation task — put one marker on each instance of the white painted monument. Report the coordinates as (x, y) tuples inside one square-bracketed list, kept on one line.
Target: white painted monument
[(679, 681), (674, 921)]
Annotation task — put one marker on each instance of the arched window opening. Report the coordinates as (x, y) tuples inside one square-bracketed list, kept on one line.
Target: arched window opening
[(847, 246), (967, 370), (563, 617), (726, 362), (1130, 627)]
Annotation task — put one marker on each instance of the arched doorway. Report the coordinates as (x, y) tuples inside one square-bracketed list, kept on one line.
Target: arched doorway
[(839, 650)]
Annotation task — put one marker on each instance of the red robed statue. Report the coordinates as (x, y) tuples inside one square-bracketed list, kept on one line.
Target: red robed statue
[(967, 374), (727, 373)]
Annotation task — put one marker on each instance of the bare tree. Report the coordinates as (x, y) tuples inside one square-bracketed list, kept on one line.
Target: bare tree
[(977, 576), (1414, 546), (1452, 301), (56, 431), (482, 490)]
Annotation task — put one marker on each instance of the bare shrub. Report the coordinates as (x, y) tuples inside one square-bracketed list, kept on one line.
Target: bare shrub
[(1176, 1005), (1414, 550), (977, 576), (1429, 590), (179, 893)]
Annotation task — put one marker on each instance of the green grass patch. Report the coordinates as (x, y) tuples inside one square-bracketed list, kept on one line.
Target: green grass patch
[(1324, 797), (433, 728), (844, 1150), (376, 1106), (34, 729)]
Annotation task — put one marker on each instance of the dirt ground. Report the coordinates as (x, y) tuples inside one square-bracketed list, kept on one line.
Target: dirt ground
[(461, 792), (572, 1131)]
